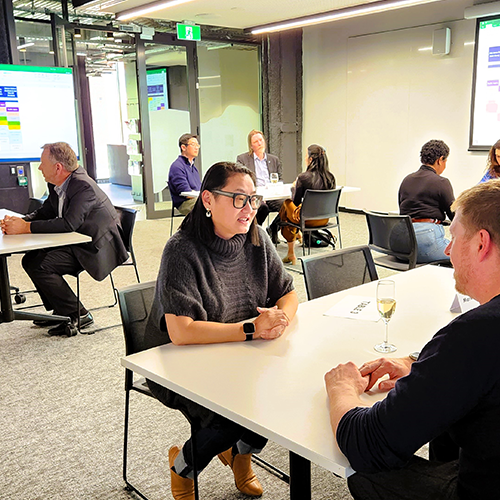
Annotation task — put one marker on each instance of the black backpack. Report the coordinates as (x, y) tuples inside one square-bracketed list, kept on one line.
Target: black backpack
[(320, 238)]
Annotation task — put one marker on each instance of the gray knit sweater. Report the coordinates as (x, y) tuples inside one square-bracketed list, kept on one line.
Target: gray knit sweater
[(222, 281)]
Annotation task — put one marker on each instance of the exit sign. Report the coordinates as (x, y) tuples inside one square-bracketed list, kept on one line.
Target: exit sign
[(188, 32)]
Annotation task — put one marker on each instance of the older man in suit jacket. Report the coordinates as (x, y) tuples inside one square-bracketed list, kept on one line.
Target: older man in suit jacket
[(75, 203), (263, 164)]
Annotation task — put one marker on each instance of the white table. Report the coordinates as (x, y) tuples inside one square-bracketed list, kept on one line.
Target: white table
[(276, 388), (21, 243), (274, 191)]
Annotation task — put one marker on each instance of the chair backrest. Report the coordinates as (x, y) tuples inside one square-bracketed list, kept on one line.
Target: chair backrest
[(127, 221), (393, 235), (34, 204), (320, 204), (135, 305), (338, 270)]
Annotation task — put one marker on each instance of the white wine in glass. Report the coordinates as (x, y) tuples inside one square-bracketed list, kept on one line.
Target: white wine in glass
[(386, 305)]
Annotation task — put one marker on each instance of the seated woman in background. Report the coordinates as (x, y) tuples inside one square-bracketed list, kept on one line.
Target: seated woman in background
[(317, 176), (217, 271), (493, 168)]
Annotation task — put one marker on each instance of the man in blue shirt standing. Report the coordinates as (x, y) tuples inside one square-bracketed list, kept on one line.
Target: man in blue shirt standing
[(183, 175)]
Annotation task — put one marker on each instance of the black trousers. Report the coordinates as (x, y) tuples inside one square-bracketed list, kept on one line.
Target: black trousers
[(420, 480), (213, 433), (265, 208), (46, 269)]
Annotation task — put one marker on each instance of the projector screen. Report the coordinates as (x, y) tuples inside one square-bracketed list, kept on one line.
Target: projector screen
[(485, 115), (37, 106)]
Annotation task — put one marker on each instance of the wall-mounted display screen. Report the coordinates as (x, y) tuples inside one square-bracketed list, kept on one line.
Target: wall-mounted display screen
[(485, 115), (37, 106), (157, 89)]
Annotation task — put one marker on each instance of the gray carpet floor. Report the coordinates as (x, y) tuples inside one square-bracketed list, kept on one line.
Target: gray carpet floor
[(62, 402)]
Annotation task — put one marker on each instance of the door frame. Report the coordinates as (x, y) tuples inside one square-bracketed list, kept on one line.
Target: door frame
[(194, 114)]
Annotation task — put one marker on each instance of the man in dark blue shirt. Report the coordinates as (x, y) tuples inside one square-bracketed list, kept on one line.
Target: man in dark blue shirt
[(183, 175), (450, 394)]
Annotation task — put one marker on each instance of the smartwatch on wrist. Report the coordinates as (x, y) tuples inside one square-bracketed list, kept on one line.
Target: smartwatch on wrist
[(249, 330)]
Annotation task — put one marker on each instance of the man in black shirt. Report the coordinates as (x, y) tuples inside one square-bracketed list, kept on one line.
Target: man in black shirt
[(450, 394), (427, 197)]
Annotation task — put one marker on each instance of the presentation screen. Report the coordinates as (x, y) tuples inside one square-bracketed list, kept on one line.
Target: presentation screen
[(37, 106), (485, 116)]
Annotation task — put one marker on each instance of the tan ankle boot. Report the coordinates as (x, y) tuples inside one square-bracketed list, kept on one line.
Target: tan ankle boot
[(244, 477), (182, 487)]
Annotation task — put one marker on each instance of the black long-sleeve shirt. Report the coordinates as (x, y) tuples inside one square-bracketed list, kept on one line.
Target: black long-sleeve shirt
[(424, 194), (454, 386)]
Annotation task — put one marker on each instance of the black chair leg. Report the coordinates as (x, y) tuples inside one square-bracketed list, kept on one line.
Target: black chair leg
[(193, 458), (129, 486)]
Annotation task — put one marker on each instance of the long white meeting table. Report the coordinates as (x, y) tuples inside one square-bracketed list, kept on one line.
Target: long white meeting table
[(274, 191), (22, 243), (276, 388)]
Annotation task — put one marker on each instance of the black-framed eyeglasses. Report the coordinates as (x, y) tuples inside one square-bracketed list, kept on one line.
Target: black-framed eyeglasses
[(240, 199)]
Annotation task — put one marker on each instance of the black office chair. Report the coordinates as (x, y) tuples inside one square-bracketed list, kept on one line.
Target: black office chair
[(393, 236), (127, 221), (339, 270), (135, 305), (317, 205), (173, 213)]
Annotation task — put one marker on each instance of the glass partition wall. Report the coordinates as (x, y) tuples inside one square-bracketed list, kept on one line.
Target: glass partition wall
[(145, 94), (230, 100)]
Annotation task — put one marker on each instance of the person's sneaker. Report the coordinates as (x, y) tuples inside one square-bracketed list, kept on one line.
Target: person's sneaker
[(85, 320)]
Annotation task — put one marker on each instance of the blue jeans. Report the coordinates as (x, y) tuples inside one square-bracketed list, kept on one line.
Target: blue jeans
[(431, 242)]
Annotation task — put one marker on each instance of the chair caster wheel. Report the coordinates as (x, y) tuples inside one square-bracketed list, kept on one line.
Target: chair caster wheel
[(20, 298)]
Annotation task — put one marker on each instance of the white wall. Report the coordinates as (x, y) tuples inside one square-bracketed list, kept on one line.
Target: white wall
[(371, 98)]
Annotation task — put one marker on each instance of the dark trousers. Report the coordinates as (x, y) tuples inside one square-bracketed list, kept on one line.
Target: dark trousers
[(213, 433), (265, 208), (420, 480), (218, 436), (46, 269)]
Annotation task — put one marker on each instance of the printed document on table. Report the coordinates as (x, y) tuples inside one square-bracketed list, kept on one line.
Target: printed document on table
[(355, 307)]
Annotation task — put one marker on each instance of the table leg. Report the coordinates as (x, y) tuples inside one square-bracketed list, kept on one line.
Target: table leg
[(300, 477), (6, 311)]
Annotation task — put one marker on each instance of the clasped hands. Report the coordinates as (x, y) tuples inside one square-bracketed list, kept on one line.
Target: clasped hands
[(270, 323), (14, 225), (349, 377)]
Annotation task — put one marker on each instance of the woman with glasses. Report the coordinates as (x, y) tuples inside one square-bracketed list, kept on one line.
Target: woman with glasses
[(317, 176), (218, 271)]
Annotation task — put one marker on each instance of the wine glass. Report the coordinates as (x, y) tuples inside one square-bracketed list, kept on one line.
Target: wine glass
[(274, 178), (386, 305)]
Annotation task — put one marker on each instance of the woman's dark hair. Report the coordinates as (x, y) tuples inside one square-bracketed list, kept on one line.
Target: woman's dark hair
[(319, 167), (196, 223), (493, 166), (433, 150)]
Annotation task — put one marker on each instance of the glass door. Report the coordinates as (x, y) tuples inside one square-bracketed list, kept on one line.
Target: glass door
[(169, 108)]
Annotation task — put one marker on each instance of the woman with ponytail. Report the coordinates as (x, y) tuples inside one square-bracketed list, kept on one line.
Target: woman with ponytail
[(318, 177)]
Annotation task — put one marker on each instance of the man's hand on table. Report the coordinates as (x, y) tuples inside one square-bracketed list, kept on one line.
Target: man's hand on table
[(14, 225), (395, 368)]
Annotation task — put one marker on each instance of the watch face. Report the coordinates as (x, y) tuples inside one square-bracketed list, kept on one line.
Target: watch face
[(248, 327)]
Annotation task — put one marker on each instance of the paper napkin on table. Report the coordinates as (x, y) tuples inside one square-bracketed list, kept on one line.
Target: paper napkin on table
[(355, 307)]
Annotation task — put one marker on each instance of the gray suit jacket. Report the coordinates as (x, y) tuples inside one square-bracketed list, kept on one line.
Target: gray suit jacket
[(273, 163)]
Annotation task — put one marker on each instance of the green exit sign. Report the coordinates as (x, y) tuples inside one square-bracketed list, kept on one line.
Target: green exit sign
[(188, 32)]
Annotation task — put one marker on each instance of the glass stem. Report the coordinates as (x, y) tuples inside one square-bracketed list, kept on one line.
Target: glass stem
[(386, 332)]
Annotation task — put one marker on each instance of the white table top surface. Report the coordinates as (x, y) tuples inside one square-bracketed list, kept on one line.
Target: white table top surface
[(19, 243), (276, 387), (274, 191)]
